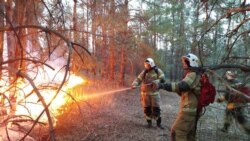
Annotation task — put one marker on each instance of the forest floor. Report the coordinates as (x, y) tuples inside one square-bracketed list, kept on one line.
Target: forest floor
[(119, 117)]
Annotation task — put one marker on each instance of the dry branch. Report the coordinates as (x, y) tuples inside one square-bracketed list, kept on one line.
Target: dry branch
[(230, 12), (19, 73), (236, 92), (35, 61), (226, 66)]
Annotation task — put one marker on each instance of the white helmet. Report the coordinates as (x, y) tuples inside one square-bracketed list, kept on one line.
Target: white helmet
[(190, 60), (230, 75), (150, 61)]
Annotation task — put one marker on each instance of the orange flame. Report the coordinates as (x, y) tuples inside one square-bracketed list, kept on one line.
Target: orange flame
[(32, 106)]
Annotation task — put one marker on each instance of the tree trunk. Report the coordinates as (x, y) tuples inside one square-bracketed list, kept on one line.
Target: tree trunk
[(1, 34), (74, 22), (112, 42), (124, 43), (182, 44), (75, 37), (11, 48), (20, 16), (104, 47), (1, 46), (245, 53), (16, 42), (93, 28), (195, 33), (34, 47), (10, 36), (155, 33), (172, 50), (85, 36)]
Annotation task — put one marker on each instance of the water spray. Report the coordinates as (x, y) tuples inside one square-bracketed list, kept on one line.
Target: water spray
[(93, 95), (115, 91)]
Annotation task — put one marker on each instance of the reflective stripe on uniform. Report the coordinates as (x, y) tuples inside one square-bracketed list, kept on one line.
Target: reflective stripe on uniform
[(173, 87), (189, 80), (141, 75), (161, 76), (153, 94), (139, 78), (160, 73), (189, 109)]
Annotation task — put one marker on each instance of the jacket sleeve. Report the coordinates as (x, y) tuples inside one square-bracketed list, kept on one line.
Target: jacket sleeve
[(160, 77), (184, 85), (138, 79)]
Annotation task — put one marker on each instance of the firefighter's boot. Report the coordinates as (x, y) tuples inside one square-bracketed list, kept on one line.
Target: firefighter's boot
[(159, 123), (225, 128), (149, 125)]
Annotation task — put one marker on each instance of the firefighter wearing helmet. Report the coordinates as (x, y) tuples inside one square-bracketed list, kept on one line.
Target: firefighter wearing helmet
[(235, 108), (150, 99), (184, 127)]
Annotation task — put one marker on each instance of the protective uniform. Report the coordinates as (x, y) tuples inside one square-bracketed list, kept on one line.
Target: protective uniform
[(235, 108), (184, 127), (150, 99)]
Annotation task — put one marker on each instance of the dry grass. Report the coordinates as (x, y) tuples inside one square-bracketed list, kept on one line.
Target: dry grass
[(119, 117)]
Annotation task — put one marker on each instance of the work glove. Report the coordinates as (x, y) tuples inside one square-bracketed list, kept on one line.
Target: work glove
[(230, 106), (133, 87)]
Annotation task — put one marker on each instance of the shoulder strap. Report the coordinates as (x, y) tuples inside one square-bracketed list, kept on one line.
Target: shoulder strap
[(193, 85), (145, 72), (156, 70)]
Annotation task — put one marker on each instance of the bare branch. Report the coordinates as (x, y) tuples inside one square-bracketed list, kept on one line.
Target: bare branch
[(229, 12), (39, 96), (240, 57), (226, 66), (27, 59), (236, 92), (235, 30)]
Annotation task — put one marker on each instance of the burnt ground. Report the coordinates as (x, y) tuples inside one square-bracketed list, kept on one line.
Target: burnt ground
[(119, 117)]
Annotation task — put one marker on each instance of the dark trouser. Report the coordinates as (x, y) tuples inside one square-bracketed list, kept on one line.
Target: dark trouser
[(183, 128), (152, 112), (237, 114), (151, 105)]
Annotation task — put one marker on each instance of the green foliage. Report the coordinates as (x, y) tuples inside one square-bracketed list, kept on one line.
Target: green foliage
[(200, 28)]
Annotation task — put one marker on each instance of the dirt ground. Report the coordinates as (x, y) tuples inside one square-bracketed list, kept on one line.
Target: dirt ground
[(119, 117)]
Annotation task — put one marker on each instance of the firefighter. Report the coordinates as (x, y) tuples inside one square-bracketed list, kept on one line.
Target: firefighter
[(184, 127), (236, 105), (150, 99)]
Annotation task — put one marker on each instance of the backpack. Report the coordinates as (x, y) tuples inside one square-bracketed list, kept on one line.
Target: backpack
[(207, 93), (206, 97), (239, 99)]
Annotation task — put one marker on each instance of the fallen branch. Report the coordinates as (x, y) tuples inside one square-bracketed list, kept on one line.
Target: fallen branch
[(19, 73), (227, 66), (236, 92)]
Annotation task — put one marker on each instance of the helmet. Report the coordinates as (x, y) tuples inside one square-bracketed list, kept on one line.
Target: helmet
[(230, 75), (190, 60), (151, 62)]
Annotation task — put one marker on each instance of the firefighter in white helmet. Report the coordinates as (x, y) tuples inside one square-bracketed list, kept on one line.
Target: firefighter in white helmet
[(150, 98), (184, 127)]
